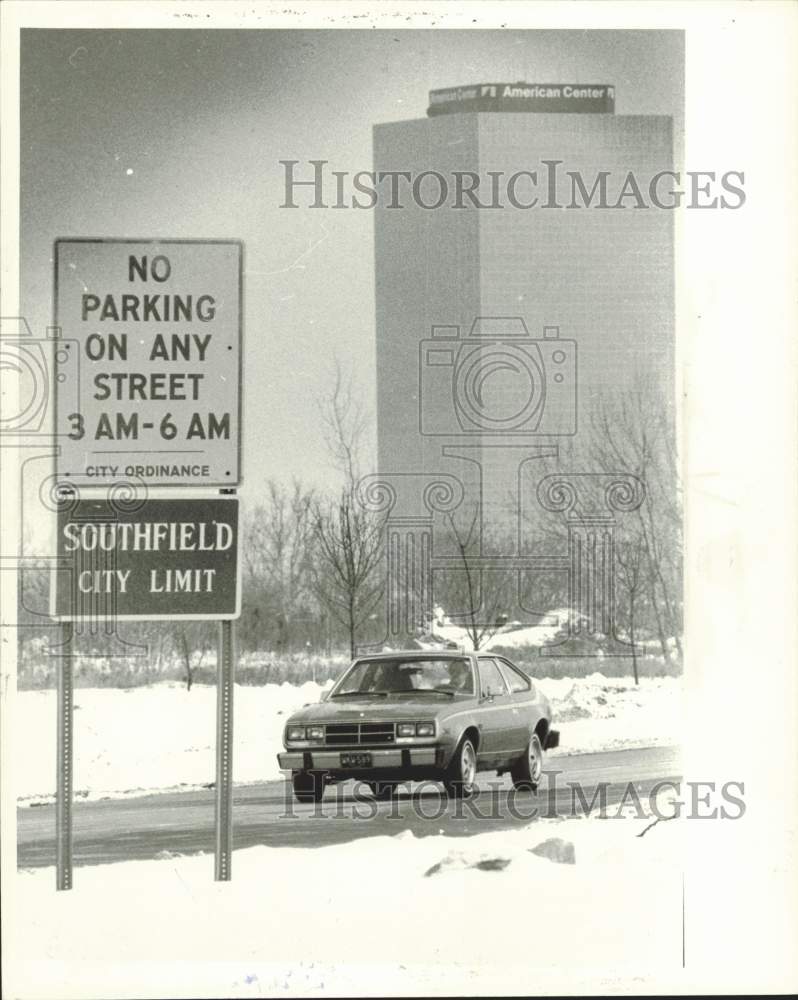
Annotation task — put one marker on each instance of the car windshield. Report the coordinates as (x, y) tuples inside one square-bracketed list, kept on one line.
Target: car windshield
[(397, 676)]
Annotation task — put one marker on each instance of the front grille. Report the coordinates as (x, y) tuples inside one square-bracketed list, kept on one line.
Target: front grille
[(359, 733)]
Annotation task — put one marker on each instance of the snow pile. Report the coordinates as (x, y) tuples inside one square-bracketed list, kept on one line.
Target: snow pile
[(156, 737), (388, 915), (605, 713), (600, 697), (133, 740), (511, 635)]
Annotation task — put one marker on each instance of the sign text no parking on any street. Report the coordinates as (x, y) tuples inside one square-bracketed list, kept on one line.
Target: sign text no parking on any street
[(156, 326)]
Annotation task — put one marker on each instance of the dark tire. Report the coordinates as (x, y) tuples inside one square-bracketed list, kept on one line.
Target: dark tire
[(383, 790), (526, 771), (461, 776), (308, 786)]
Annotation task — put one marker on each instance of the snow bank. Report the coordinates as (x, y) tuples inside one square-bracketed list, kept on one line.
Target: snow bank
[(157, 737), (512, 635), (133, 740), (609, 713), (384, 915)]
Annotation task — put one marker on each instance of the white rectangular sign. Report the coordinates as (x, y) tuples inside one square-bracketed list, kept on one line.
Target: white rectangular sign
[(148, 370)]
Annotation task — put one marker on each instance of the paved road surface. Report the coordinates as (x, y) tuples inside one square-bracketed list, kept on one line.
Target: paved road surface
[(183, 822)]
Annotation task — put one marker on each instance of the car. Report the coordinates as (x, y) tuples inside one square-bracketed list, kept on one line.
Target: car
[(421, 715)]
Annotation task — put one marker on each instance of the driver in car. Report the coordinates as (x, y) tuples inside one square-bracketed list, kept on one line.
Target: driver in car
[(460, 677)]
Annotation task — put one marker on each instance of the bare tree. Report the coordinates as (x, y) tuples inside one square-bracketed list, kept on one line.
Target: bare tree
[(630, 554), (345, 421), (633, 432), (473, 597), (190, 642), (349, 555), (349, 538), (277, 558)]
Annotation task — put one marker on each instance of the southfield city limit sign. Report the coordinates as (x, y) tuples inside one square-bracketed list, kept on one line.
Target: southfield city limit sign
[(169, 558), (148, 383)]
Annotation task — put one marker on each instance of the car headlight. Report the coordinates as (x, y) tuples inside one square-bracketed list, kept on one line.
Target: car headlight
[(315, 732), (406, 729), (296, 733)]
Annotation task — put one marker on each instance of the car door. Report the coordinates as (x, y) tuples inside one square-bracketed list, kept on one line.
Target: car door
[(523, 699), (495, 712)]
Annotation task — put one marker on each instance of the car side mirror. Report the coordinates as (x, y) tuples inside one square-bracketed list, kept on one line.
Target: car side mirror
[(324, 695), (487, 696)]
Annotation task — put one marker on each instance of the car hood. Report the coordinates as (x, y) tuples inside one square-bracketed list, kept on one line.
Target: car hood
[(376, 709)]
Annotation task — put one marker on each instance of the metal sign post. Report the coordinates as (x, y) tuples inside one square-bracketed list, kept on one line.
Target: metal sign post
[(224, 750), (63, 798)]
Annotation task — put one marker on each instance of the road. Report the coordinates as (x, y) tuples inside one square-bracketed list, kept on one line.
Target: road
[(183, 822)]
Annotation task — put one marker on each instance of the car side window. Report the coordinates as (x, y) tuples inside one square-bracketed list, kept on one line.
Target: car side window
[(491, 681), (518, 682)]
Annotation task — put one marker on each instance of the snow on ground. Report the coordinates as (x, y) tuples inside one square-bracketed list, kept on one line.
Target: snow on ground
[(379, 916), (155, 737), (513, 634), (133, 740), (610, 713), (516, 635)]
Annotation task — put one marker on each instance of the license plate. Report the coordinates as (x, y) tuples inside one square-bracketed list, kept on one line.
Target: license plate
[(355, 760)]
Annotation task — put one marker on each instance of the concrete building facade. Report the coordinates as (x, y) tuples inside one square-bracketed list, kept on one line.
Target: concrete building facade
[(466, 296)]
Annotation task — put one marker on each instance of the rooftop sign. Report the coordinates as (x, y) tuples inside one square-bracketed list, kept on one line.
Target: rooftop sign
[(596, 98)]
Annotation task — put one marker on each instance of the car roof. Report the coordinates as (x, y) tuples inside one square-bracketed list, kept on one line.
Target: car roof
[(418, 654)]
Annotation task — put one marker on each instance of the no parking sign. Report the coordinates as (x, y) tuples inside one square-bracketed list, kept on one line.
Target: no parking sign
[(149, 374)]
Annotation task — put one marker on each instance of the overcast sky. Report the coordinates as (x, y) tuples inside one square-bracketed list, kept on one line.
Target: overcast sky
[(180, 133)]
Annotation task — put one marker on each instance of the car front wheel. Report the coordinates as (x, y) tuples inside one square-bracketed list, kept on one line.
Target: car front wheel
[(526, 772), (461, 777), (308, 786)]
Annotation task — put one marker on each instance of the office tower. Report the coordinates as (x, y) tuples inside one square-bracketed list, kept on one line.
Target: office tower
[(593, 286)]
